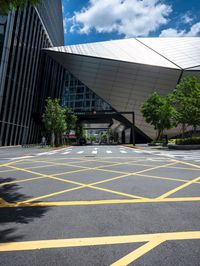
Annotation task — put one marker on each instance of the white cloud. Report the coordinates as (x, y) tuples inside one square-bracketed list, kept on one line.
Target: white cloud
[(65, 23), (187, 18), (193, 32), (127, 17)]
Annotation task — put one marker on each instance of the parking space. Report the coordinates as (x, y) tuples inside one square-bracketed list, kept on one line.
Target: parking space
[(85, 198)]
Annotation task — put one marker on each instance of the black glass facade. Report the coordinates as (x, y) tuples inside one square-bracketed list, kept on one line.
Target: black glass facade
[(25, 34), (80, 98), (3, 20)]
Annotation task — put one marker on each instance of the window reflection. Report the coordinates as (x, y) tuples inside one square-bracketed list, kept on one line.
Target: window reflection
[(80, 98)]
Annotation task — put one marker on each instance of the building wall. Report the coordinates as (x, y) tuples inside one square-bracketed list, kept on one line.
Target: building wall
[(25, 36), (125, 86)]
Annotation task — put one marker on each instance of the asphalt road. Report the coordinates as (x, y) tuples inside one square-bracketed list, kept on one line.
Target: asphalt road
[(99, 205)]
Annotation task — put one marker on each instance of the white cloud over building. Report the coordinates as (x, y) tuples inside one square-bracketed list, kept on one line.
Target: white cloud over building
[(126, 17)]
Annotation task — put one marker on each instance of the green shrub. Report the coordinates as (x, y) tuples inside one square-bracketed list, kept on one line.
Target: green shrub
[(172, 141), (188, 141)]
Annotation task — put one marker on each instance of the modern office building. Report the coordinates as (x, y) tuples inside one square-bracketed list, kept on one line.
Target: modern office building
[(124, 72), (112, 76), (23, 34)]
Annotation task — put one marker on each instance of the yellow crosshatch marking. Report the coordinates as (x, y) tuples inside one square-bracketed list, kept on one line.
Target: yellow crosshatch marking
[(105, 168), (91, 185), (150, 242)]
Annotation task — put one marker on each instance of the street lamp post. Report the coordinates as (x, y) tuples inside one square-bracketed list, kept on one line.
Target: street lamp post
[(133, 128)]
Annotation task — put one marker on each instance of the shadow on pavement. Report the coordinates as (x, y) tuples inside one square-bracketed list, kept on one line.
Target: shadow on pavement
[(15, 215)]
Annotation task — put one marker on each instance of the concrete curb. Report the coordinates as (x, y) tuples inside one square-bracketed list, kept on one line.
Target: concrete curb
[(183, 147)]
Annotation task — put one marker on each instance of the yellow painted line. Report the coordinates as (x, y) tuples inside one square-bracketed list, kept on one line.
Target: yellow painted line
[(134, 173), (12, 162), (190, 164), (116, 192), (50, 195), (81, 185), (96, 241), (185, 168), (49, 159), (84, 186), (4, 204), (91, 168), (149, 165), (92, 185), (167, 178), (134, 255), (172, 191)]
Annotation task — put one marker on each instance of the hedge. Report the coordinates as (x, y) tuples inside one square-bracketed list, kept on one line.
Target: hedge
[(188, 141)]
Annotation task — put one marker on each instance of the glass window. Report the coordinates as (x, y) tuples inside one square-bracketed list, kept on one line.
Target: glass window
[(78, 104)]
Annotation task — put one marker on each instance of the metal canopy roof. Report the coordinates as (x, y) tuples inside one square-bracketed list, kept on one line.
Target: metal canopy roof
[(177, 53), (182, 51)]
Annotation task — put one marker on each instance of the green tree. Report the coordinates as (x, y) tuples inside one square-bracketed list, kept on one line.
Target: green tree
[(9, 5), (104, 137), (70, 119), (93, 138), (159, 113), (186, 101), (54, 119)]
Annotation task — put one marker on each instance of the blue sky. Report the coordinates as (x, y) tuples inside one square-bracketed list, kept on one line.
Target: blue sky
[(101, 20)]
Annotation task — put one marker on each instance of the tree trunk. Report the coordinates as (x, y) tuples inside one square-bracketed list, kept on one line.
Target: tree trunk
[(195, 129), (57, 139), (183, 130), (52, 138), (159, 134)]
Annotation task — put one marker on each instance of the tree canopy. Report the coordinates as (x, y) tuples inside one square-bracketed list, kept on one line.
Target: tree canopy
[(70, 119), (186, 101), (54, 118), (158, 112), (9, 5)]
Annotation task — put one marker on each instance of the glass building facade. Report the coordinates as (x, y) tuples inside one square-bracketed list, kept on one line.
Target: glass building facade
[(79, 97), (23, 34), (3, 20)]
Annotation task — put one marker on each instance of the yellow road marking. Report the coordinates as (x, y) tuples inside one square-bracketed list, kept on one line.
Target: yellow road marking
[(81, 185), (134, 255), (4, 204), (128, 174), (50, 195), (28, 160), (86, 169), (92, 185), (49, 163), (167, 178), (190, 164), (12, 162), (172, 191), (90, 168), (96, 241)]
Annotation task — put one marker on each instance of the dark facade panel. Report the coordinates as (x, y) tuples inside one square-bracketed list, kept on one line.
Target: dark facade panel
[(25, 33)]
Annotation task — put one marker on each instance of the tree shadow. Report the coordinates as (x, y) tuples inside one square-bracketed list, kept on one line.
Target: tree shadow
[(24, 215)]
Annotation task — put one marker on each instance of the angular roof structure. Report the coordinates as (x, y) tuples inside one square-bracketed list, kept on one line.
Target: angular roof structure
[(182, 53), (124, 72)]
